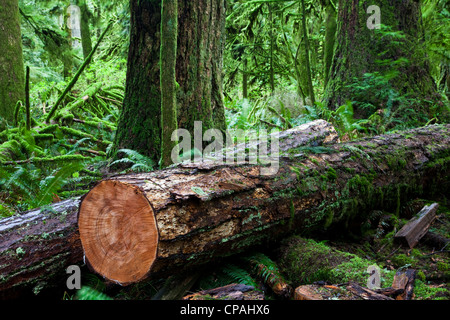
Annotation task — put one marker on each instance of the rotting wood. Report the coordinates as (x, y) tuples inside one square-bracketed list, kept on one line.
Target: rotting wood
[(229, 292), (405, 280), (365, 293), (416, 228), (192, 213), (306, 292)]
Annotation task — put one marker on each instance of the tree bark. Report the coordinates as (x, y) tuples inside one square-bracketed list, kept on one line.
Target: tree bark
[(12, 72), (139, 126), (153, 223), (169, 31), (359, 48), (86, 40), (200, 45), (36, 248)]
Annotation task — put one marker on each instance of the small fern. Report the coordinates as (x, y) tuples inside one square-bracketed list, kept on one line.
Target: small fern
[(239, 275), (87, 293), (138, 162)]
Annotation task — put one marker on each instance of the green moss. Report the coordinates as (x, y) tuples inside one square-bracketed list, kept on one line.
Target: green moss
[(401, 260), (331, 174), (425, 292)]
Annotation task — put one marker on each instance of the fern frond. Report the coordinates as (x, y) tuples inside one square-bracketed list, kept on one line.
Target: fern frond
[(87, 293), (54, 183), (239, 275)]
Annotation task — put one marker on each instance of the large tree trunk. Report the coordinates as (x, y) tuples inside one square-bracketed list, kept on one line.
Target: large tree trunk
[(359, 50), (141, 225), (139, 126), (201, 26), (201, 42), (12, 74), (36, 247)]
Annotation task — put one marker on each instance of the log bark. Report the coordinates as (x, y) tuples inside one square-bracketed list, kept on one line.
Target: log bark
[(145, 225), (229, 292), (36, 247)]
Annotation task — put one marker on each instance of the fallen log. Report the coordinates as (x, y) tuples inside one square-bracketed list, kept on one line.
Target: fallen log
[(36, 247), (316, 187), (140, 225)]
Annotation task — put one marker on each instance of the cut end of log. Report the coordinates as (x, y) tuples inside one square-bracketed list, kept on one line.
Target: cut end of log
[(118, 232)]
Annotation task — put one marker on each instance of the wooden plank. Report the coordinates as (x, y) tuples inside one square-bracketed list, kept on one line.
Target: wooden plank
[(417, 227)]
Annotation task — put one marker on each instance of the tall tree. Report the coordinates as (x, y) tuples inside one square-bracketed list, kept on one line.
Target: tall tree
[(362, 49), (86, 40), (201, 34), (12, 74)]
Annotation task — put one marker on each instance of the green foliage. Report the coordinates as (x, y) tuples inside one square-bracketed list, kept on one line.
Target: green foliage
[(134, 160), (226, 274), (33, 187), (87, 293)]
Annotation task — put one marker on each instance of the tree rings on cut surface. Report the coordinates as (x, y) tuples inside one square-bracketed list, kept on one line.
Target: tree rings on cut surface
[(118, 232)]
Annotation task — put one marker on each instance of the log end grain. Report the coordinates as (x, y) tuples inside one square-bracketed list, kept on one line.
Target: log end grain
[(118, 232)]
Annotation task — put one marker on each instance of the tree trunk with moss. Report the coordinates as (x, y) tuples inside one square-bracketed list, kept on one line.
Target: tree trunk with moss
[(201, 43), (395, 52), (12, 74), (139, 126), (330, 38), (86, 41), (201, 32), (169, 30)]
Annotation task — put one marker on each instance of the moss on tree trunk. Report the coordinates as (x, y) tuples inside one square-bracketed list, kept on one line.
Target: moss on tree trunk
[(12, 75), (360, 49), (139, 126), (201, 41), (169, 29), (200, 45)]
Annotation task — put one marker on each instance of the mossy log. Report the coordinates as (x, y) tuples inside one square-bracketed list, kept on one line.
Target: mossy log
[(146, 225), (201, 212), (36, 248)]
